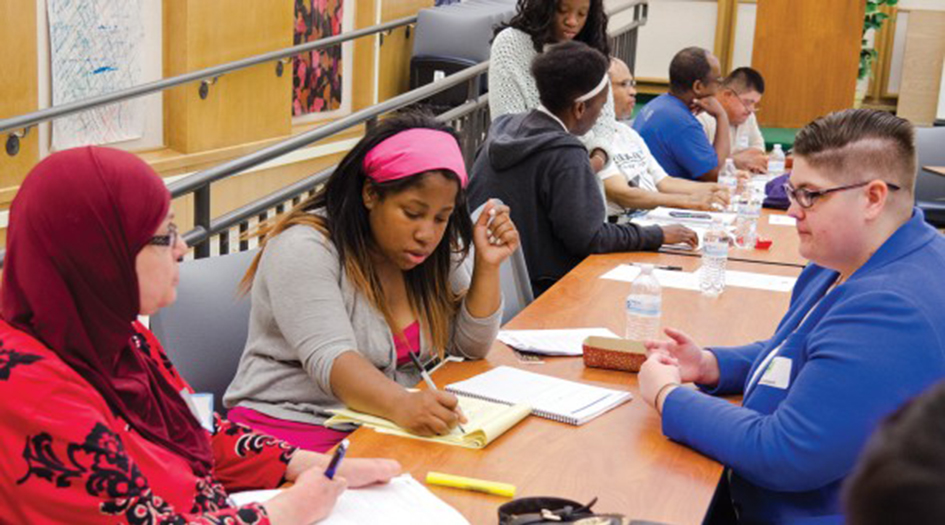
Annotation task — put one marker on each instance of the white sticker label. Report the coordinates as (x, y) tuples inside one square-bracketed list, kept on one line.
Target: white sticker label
[(778, 373)]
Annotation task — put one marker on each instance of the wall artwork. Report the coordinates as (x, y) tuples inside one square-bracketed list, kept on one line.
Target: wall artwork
[(95, 48), (317, 78)]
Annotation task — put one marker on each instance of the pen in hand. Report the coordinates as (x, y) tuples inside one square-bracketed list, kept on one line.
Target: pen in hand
[(336, 459), (428, 380)]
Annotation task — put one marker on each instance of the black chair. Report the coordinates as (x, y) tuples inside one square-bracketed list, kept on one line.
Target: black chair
[(205, 330), (929, 187)]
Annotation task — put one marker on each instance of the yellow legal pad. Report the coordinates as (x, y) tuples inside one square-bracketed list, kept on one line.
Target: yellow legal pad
[(487, 421)]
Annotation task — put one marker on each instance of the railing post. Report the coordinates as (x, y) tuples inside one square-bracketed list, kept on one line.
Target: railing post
[(202, 219), (244, 240)]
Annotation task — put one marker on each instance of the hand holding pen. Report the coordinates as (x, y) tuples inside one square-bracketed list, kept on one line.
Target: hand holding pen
[(428, 412)]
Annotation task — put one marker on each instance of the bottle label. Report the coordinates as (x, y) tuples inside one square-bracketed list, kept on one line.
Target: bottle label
[(641, 305), (716, 248)]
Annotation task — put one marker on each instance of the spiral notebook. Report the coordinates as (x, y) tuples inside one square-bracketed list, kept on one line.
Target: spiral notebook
[(550, 397)]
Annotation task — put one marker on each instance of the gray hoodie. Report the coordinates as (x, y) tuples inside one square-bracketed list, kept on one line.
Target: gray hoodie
[(543, 173)]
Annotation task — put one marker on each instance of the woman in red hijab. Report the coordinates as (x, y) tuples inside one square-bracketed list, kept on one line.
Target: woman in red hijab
[(92, 418)]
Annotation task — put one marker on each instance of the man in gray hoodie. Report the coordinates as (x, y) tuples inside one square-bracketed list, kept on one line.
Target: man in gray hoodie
[(535, 163)]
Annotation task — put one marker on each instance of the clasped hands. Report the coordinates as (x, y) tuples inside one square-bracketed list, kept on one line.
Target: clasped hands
[(672, 363)]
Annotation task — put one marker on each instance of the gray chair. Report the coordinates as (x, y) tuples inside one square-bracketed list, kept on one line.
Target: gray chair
[(513, 278), (929, 187), (204, 331)]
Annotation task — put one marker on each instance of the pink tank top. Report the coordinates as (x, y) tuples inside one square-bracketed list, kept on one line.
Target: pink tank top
[(407, 342)]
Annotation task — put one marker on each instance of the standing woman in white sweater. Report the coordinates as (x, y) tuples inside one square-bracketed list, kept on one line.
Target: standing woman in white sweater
[(536, 24)]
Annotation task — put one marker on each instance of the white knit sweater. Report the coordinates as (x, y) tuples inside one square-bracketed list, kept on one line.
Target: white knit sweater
[(512, 88)]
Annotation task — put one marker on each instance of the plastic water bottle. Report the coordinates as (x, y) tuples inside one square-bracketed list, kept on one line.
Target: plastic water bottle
[(746, 222), (729, 180), (644, 306), (714, 259), (776, 162)]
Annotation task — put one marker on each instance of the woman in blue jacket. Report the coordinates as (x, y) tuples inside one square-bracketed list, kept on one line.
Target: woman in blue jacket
[(864, 333)]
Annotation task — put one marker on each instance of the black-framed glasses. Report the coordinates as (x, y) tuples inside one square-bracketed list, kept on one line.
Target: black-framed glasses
[(806, 198), (166, 240)]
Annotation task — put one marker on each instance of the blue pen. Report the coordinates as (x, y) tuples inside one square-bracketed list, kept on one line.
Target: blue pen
[(336, 459)]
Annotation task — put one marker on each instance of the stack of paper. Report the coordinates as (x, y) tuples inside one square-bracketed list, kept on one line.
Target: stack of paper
[(687, 217), (700, 223), (403, 501), (566, 342)]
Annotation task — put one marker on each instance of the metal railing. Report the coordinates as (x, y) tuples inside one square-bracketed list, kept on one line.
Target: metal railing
[(470, 119), (20, 125), (623, 39), (199, 183)]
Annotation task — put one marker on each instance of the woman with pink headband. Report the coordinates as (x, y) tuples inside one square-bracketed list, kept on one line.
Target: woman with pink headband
[(360, 276)]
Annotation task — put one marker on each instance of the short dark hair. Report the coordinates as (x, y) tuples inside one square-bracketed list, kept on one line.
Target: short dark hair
[(856, 141), (900, 477), (537, 19), (687, 66), (745, 79), (566, 71)]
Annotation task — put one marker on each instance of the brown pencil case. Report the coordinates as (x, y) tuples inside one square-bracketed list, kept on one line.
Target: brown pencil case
[(614, 353)]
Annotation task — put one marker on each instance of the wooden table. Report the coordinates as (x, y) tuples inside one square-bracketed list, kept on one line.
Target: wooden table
[(937, 170), (784, 248), (621, 457)]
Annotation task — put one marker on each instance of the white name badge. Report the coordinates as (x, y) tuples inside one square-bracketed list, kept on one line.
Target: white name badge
[(778, 373)]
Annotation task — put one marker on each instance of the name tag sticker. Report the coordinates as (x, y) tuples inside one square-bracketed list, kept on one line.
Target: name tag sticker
[(778, 373)]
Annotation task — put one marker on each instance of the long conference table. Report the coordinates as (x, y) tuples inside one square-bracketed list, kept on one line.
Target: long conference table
[(621, 457)]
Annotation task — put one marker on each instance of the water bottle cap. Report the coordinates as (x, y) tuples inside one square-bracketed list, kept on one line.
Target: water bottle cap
[(646, 268)]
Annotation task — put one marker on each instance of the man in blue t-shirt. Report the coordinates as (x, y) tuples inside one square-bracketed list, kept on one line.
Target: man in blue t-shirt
[(669, 126)]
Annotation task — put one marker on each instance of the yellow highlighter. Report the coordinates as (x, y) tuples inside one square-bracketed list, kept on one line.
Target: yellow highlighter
[(478, 485)]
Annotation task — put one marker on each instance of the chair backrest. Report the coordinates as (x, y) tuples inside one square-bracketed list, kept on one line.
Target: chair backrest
[(929, 187), (513, 276), (204, 331)]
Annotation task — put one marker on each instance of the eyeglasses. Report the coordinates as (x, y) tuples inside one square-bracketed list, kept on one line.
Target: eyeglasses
[(751, 106), (166, 240), (806, 198)]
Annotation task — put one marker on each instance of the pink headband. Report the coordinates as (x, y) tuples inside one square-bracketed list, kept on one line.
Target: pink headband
[(415, 151)]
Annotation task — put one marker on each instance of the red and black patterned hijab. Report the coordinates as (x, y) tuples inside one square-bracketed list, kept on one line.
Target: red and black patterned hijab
[(76, 226)]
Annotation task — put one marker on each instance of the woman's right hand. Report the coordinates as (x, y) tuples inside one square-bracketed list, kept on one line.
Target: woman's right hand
[(428, 412), (310, 499), (696, 365)]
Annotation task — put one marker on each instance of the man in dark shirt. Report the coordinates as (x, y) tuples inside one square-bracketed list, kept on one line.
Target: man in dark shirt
[(535, 163)]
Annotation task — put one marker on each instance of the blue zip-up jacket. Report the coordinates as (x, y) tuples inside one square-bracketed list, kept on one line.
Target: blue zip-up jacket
[(865, 348)]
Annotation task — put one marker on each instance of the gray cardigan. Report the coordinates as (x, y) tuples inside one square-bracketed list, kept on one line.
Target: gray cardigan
[(305, 313)]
